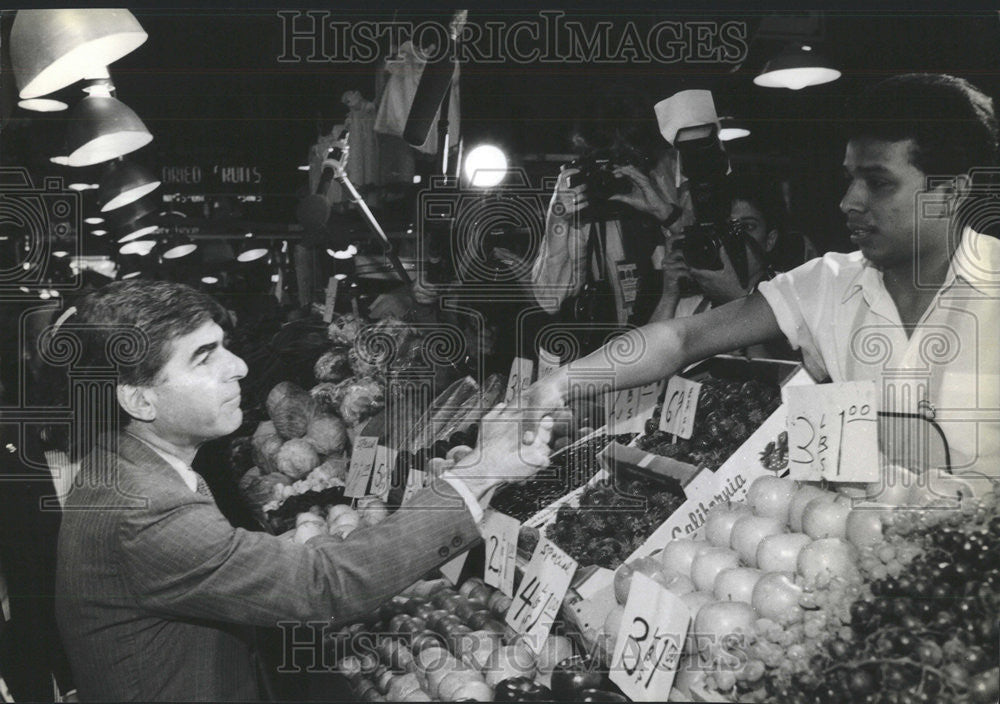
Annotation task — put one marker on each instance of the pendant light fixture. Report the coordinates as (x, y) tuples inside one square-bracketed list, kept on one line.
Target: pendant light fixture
[(797, 67), (51, 49)]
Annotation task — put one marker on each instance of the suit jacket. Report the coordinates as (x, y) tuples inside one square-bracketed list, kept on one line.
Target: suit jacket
[(156, 591)]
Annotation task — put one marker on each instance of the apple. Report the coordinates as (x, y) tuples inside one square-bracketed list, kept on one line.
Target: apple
[(474, 690), (831, 556), (709, 563), (719, 619), (736, 584), (771, 496), (476, 647), (823, 518), (445, 597), (776, 596), (613, 623), (864, 526), (803, 495), (555, 649), (402, 685), (749, 530), (894, 487), (499, 602), (674, 582), (417, 695), (455, 682), (480, 594), (649, 566), (350, 667), (694, 601), (678, 554), (509, 661), (719, 522), (468, 585), (383, 678), (436, 674), (780, 553)]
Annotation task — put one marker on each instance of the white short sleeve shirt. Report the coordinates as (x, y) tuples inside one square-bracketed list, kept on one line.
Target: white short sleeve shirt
[(837, 311)]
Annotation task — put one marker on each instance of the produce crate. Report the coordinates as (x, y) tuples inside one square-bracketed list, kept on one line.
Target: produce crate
[(539, 513), (729, 483)]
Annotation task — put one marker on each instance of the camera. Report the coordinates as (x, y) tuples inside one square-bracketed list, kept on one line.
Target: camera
[(597, 173), (35, 222), (705, 164)]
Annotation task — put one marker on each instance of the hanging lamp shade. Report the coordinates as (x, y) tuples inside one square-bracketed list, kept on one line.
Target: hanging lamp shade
[(125, 182), (251, 251), (797, 67), (51, 49), (177, 246), (102, 128)]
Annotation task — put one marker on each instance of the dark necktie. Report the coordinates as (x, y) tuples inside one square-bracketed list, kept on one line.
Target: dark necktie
[(203, 487)]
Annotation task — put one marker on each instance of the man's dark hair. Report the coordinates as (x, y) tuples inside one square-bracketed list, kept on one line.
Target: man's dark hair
[(117, 321), (161, 311), (764, 195), (950, 120)]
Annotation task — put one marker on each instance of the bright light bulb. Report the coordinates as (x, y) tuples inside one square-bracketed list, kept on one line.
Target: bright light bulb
[(485, 166)]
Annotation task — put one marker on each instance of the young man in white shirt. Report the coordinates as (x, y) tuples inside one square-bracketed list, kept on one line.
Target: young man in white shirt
[(916, 308)]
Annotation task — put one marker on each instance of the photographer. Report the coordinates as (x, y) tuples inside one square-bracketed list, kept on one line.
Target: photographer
[(608, 216), (918, 274)]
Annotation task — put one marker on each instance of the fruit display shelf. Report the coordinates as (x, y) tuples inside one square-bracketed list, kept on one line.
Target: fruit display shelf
[(736, 397), (436, 642), (805, 593)]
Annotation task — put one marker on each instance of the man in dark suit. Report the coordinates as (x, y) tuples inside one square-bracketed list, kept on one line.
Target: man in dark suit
[(156, 591)]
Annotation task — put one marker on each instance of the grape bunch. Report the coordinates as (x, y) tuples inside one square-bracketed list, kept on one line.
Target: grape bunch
[(728, 413), (611, 522), (924, 627), (567, 471)]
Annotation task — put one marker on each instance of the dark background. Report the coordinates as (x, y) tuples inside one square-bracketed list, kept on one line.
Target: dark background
[(209, 88)]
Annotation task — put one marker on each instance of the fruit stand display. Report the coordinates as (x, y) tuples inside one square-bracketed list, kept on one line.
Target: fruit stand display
[(800, 594), (298, 455), (435, 642)]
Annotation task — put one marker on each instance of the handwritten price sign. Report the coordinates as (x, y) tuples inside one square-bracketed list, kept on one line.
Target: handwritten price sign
[(547, 362), (331, 300), (541, 592), (833, 432), (362, 459), (650, 642), (680, 404), (500, 536), (626, 411), (385, 460), (520, 377), (416, 481)]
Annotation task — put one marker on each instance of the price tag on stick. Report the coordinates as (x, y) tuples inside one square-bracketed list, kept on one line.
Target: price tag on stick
[(500, 533), (680, 404), (414, 483), (547, 362), (385, 460), (628, 410), (362, 461), (833, 432), (541, 592), (650, 642), (331, 300), (520, 377)]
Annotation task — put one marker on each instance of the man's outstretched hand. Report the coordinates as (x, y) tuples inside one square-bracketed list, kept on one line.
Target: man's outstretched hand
[(506, 453)]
